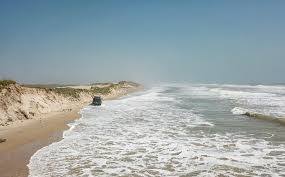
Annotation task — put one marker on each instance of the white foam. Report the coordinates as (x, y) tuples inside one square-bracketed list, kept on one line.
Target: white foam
[(151, 134), (239, 111), (268, 100)]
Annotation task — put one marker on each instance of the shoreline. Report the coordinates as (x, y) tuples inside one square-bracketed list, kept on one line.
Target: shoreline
[(24, 140)]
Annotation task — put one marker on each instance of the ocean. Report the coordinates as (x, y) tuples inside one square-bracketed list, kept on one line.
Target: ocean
[(173, 130)]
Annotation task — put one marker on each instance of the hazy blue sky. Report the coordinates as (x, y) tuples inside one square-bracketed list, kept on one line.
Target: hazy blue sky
[(68, 41)]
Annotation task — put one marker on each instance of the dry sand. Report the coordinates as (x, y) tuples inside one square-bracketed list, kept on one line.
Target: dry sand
[(23, 141), (26, 136)]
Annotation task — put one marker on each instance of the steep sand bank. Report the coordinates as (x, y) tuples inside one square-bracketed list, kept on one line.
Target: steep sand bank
[(32, 118), (20, 103), (23, 141)]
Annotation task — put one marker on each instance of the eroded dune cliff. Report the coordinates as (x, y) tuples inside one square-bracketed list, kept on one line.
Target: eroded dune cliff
[(19, 103)]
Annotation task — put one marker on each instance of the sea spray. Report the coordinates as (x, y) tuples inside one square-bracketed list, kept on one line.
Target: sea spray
[(170, 130)]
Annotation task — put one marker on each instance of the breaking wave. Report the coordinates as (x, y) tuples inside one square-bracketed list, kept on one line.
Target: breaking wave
[(172, 130)]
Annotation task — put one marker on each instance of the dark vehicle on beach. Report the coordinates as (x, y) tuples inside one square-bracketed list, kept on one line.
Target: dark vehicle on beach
[(97, 101)]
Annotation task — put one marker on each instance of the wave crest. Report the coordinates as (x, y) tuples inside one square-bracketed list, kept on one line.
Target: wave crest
[(239, 111), (249, 113)]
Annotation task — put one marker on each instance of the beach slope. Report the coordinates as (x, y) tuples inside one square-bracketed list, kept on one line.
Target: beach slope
[(32, 117)]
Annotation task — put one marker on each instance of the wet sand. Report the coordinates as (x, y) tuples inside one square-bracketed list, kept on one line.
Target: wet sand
[(25, 139)]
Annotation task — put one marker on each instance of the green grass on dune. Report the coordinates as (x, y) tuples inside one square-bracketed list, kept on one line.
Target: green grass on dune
[(95, 90), (99, 90), (70, 92), (5, 83), (45, 86), (105, 90)]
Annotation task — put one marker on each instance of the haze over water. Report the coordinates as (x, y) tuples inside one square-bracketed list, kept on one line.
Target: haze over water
[(173, 130), (169, 129)]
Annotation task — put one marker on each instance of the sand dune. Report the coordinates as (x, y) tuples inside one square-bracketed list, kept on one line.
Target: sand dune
[(32, 118), (19, 103)]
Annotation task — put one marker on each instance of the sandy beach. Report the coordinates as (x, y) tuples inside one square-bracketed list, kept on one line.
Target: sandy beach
[(142, 88), (24, 140), (25, 136)]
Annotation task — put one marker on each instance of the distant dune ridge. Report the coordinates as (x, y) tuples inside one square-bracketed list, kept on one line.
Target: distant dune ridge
[(22, 102)]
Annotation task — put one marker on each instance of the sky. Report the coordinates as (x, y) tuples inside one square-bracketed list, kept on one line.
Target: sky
[(148, 41)]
